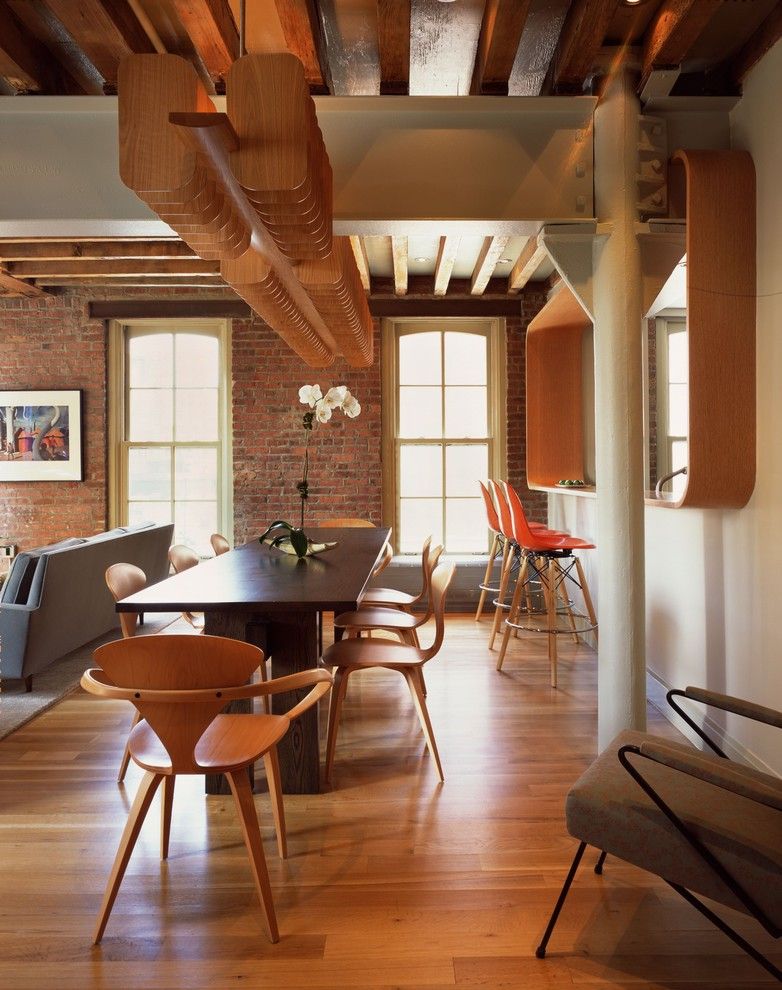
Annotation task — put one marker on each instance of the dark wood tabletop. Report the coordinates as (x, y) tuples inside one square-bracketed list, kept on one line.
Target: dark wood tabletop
[(254, 575)]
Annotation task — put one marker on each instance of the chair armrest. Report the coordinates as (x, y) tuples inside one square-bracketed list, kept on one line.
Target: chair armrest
[(729, 776), (737, 706)]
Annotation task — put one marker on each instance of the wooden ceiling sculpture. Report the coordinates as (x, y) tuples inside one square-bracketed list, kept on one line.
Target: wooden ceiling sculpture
[(251, 189)]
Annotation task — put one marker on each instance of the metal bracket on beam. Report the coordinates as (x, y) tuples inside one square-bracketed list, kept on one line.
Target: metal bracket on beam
[(570, 248), (652, 175), (662, 244)]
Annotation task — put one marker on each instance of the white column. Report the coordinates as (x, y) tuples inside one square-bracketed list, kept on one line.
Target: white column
[(618, 416)]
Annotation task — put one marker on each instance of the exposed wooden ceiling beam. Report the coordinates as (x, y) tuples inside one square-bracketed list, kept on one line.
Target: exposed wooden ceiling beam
[(55, 250), (582, 37), (25, 63), (393, 42), (141, 281), (362, 262), (105, 30), (399, 251), (211, 27), (446, 256), (501, 30), (676, 27), (10, 286), (129, 266), (304, 36), (527, 264), (760, 42), (487, 261)]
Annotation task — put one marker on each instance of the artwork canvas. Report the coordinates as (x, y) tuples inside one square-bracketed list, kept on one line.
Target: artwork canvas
[(41, 435)]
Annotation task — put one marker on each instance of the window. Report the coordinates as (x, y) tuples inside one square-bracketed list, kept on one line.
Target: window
[(169, 427), (443, 430), (672, 400)]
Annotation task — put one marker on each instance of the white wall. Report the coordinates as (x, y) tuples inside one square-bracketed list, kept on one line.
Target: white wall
[(714, 578)]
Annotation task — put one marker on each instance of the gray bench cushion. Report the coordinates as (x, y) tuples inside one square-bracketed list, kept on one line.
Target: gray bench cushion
[(607, 809)]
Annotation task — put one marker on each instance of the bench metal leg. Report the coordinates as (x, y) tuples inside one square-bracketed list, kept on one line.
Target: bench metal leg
[(540, 952)]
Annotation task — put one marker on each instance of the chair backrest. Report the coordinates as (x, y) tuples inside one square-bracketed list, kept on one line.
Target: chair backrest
[(491, 512), (503, 509), (182, 558), (179, 663), (348, 523), (424, 571), (522, 534), (441, 581), (432, 559), (219, 544), (123, 580)]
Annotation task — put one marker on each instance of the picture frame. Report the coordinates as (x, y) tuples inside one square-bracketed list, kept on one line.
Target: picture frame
[(41, 435)]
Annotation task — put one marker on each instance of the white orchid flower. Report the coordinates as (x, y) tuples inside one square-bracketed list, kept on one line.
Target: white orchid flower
[(322, 412), (336, 396), (309, 395), (351, 407)]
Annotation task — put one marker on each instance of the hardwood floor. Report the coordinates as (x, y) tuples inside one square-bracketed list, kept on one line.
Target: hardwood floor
[(393, 880)]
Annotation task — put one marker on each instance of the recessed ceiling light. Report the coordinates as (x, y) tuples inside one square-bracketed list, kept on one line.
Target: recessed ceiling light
[(632, 3), (504, 261), (421, 259)]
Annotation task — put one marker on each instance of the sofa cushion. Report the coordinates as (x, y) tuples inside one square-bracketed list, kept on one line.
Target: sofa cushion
[(608, 809), (16, 590)]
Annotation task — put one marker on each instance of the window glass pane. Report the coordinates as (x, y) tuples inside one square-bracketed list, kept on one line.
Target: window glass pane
[(465, 466), (420, 412), (156, 512), (149, 473), (151, 360), (150, 414), (197, 360), (465, 359), (420, 471), (196, 414), (419, 359), (465, 412), (196, 473), (194, 523), (678, 460), (678, 410), (419, 518), (465, 525), (677, 357)]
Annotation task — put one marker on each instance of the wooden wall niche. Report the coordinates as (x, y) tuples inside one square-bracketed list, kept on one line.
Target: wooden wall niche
[(555, 392), (719, 190)]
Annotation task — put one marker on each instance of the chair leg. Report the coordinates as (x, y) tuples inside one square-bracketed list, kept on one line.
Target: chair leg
[(599, 863), (552, 620), (251, 830), (267, 701), (585, 592), (28, 683), (540, 952), (272, 764), (166, 807), (335, 711), (414, 680), (507, 563), (515, 609), (724, 927), (562, 590), (125, 761), (138, 812), (487, 575)]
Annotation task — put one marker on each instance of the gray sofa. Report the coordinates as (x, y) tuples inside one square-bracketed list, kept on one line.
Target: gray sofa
[(55, 598)]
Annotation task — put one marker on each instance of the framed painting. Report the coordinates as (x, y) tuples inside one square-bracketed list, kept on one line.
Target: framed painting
[(41, 435)]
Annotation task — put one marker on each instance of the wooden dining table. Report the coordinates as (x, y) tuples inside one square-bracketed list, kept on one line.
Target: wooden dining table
[(273, 600)]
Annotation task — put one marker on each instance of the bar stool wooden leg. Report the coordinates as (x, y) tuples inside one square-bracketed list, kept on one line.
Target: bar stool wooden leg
[(587, 597), (515, 610), (552, 620), (562, 590), (507, 563), (487, 576)]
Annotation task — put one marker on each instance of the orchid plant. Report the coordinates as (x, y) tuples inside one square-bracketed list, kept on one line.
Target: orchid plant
[(321, 409)]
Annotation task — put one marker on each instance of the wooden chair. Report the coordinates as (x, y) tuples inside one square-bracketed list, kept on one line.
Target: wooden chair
[(350, 655), (182, 558), (354, 523), (219, 544), (124, 580), (404, 624), (180, 684), (392, 598)]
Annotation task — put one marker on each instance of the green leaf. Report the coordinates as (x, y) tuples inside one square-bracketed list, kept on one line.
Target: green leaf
[(277, 524), (299, 542)]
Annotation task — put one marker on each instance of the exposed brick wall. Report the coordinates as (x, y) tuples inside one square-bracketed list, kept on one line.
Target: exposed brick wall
[(52, 343)]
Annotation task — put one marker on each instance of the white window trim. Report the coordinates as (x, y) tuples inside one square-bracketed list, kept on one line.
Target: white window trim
[(116, 393), (671, 321)]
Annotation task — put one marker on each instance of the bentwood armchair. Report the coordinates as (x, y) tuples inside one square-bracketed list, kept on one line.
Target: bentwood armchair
[(705, 824), (180, 684)]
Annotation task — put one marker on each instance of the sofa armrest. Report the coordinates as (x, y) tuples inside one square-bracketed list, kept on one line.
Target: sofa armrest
[(14, 623), (729, 776), (737, 706)]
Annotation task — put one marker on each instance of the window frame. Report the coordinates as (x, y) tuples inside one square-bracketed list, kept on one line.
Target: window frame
[(494, 329), (118, 443), (672, 321)]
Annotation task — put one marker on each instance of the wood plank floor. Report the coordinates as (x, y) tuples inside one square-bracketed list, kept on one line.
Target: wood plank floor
[(393, 880)]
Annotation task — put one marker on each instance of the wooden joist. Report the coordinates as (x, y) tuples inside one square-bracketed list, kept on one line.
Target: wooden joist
[(393, 43), (446, 256), (10, 286), (98, 250), (761, 41), (487, 261), (501, 30), (301, 26), (399, 253), (211, 27), (26, 64), (527, 264), (362, 262), (119, 266), (676, 27), (582, 36), (105, 30), (139, 281)]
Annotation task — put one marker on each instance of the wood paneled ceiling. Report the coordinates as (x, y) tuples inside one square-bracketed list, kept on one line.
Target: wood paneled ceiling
[(369, 47)]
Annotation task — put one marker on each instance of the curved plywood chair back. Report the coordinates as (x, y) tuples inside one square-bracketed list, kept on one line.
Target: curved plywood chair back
[(347, 523), (491, 511), (219, 544), (182, 558), (123, 580)]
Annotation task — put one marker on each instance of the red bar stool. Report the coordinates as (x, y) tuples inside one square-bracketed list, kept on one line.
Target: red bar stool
[(498, 549), (550, 555)]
